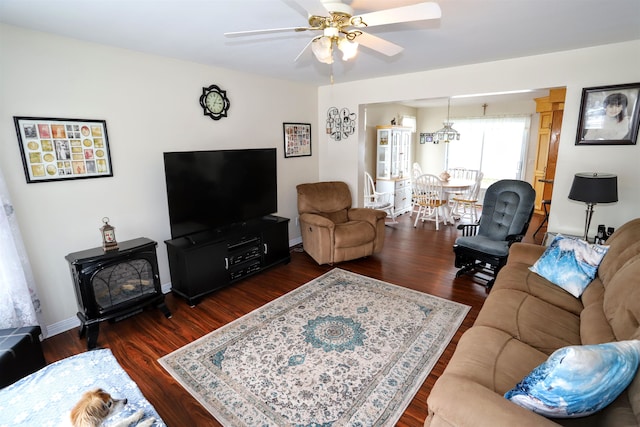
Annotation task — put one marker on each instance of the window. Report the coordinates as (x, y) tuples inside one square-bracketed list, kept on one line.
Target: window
[(496, 146), (409, 122)]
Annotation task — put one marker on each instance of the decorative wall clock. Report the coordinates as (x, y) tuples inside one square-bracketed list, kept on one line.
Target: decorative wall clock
[(340, 123), (214, 101)]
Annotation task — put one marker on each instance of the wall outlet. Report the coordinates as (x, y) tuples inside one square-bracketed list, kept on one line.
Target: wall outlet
[(298, 221)]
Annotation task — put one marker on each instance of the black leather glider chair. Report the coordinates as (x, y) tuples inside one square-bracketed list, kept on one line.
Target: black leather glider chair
[(506, 213)]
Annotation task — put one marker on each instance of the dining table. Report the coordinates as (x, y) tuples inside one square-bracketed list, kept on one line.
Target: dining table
[(451, 187)]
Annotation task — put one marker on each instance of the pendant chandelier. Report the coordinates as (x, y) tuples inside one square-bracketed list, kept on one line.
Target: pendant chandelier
[(447, 133)]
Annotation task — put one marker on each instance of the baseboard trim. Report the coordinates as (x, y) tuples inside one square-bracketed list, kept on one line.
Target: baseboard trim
[(73, 322), (62, 326)]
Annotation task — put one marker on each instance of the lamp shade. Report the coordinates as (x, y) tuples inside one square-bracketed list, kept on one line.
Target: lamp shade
[(592, 187), (322, 49)]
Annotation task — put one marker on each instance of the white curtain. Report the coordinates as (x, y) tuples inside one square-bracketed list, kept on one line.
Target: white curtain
[(494, 145), (19, 304)]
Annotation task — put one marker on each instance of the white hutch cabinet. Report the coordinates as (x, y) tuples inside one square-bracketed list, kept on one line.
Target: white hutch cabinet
[(393, 164)]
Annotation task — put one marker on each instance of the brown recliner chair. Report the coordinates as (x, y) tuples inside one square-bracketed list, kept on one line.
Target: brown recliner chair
[(331, 230)]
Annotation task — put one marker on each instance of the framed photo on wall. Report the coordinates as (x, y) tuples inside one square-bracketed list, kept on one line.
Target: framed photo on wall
[(297, 139), (426, 137), (62, 149), (609, 115)]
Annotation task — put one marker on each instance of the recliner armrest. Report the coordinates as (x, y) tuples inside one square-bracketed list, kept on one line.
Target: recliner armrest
[(317, 220), (372, 216)]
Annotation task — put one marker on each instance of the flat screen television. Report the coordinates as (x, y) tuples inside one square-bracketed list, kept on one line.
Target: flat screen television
[(209, 190)]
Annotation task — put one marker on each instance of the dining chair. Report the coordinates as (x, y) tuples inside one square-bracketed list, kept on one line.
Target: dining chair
[(471, 174), (416, 171), (457, 173), (378, 200), (429, 199), (465, 205)]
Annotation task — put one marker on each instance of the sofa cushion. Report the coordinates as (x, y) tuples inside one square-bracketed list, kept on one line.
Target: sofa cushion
[(624, 244), (594, 294), (493, 358), (531, 320), (570, 263), (485, 245), (594, 328), (622, 301), (578, 380), (519, 278)]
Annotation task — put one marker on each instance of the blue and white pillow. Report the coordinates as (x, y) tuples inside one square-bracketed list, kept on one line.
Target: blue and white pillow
[(577, 381), (570, 263)]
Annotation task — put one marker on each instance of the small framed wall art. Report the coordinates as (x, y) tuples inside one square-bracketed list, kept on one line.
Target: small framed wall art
[(297, 139), (340, 123), (609, 115), (427, 137), (61, 149)]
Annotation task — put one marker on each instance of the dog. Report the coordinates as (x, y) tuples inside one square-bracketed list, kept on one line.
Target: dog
[(95, 406)]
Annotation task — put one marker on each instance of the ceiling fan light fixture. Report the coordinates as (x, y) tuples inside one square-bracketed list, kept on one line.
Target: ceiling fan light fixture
[(348, 48), (322, 49)]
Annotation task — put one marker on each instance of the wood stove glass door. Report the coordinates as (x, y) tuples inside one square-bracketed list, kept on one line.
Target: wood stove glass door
[(122, 283)]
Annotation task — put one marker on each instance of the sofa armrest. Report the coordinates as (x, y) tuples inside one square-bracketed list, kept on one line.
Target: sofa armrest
[(461, 402), (525, 253)]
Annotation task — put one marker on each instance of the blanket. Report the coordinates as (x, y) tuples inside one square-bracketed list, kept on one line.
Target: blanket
[(46, 397)]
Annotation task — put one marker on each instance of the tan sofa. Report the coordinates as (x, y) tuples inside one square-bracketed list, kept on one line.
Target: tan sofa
[(524, 319), (332, 231)]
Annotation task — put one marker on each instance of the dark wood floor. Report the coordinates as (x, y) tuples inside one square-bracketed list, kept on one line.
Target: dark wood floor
[(420, 259)]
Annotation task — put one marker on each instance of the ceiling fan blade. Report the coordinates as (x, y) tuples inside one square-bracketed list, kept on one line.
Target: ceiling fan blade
[(313, 7), (257, 32), (378, 44), (415, 12), (303, 50)]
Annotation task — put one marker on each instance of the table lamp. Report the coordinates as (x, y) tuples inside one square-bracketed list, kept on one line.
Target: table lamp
[(593, 188)]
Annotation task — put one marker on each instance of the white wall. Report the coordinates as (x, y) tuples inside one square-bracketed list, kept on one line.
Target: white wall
[(151, 105), (574, 70)]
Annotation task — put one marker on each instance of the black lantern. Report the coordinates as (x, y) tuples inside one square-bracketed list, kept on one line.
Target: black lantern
[(109, 242)]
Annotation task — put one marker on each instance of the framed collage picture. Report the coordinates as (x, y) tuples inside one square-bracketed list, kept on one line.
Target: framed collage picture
[(61, 149), (297, 139)]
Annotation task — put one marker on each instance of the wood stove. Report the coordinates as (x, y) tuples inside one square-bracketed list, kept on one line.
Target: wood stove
[(114, 285)]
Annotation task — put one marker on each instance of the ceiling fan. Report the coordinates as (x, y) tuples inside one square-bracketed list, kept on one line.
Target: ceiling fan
[(342, 29)]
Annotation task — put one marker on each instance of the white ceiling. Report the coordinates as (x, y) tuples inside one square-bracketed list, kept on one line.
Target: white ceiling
[(470, 31)]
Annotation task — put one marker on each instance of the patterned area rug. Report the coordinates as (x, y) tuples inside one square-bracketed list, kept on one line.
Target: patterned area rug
[(341, 350)]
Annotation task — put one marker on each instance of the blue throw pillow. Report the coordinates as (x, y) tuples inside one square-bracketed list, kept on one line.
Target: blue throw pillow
[(570, 263), (577, 381)]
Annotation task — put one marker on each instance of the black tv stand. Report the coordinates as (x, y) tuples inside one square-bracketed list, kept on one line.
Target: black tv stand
[(201, 263)]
